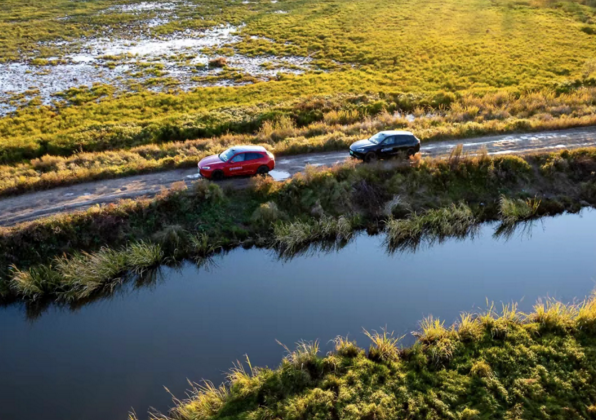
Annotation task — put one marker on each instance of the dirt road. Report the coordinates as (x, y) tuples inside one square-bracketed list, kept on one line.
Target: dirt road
[(31, 206)]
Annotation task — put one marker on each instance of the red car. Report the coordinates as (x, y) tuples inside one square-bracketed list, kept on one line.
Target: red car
[(239, 160)]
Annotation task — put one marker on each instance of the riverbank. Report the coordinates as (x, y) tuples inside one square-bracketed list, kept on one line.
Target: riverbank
[(426, 198), (502, 364)]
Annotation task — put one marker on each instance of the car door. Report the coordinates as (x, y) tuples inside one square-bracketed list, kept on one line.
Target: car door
[(235, 165), (388, 147), (256, 161), (403, 143)]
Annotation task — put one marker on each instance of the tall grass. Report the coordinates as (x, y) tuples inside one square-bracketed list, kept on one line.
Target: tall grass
[(291, 236), (384, 345), (515, 210), (455, 220), (82, 275)]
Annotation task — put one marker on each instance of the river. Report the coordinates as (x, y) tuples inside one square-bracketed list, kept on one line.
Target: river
[(117, 354)]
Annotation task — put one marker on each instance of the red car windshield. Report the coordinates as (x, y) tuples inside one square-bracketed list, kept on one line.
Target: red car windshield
[(227, 155)]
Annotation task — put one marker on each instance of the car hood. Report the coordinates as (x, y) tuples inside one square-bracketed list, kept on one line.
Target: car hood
[(210, 160), (362, 144)]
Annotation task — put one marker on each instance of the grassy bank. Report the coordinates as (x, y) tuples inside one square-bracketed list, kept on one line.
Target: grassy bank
[(425, 199), (507, 365), (314, 125)]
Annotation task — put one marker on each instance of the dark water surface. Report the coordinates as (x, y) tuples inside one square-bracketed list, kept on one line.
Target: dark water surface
[(117, 354)]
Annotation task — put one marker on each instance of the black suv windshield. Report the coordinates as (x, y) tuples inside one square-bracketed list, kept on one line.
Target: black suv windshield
[(225, 156), (377, 138)]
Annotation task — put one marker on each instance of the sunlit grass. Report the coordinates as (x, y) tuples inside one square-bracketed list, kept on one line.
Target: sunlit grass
[(516, 210), (384, 345)]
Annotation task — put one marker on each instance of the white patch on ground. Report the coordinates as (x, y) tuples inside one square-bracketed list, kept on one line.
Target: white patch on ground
[(279, 175), (281, 12), (168, 46), (144, 6), (195, 176)]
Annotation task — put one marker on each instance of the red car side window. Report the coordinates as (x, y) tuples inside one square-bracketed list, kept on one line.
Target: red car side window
[(238, 158)]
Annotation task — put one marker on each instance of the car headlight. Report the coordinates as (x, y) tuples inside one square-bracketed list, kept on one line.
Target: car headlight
[(361, 150), (206, 167)]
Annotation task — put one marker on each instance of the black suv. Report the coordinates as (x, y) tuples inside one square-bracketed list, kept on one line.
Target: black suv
[(386, 144)]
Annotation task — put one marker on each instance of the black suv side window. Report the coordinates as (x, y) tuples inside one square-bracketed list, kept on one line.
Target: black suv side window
[(390, 141), (404, 140)]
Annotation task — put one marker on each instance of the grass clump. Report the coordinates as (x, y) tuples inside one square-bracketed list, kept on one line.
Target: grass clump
[(141, 256), (292, 236), (384, 346), (85, 274), (346, 347), (481, 369), (515, 210), (204, 402), (35, 283), (554, 315), (267, 214), (455, 220)]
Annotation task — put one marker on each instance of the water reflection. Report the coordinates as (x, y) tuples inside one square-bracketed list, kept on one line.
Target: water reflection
[(152, 278)]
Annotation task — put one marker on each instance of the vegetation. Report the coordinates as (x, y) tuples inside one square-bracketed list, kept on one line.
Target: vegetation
[(86, 253), (489, 365), (480, 69), (329, 123)]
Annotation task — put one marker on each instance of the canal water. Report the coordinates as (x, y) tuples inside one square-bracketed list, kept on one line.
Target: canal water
[(116, 354)]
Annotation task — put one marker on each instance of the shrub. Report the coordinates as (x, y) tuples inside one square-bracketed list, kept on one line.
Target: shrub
[(209, 191), (266, 214)]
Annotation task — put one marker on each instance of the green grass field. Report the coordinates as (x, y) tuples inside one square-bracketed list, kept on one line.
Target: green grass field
[(415, 55)]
